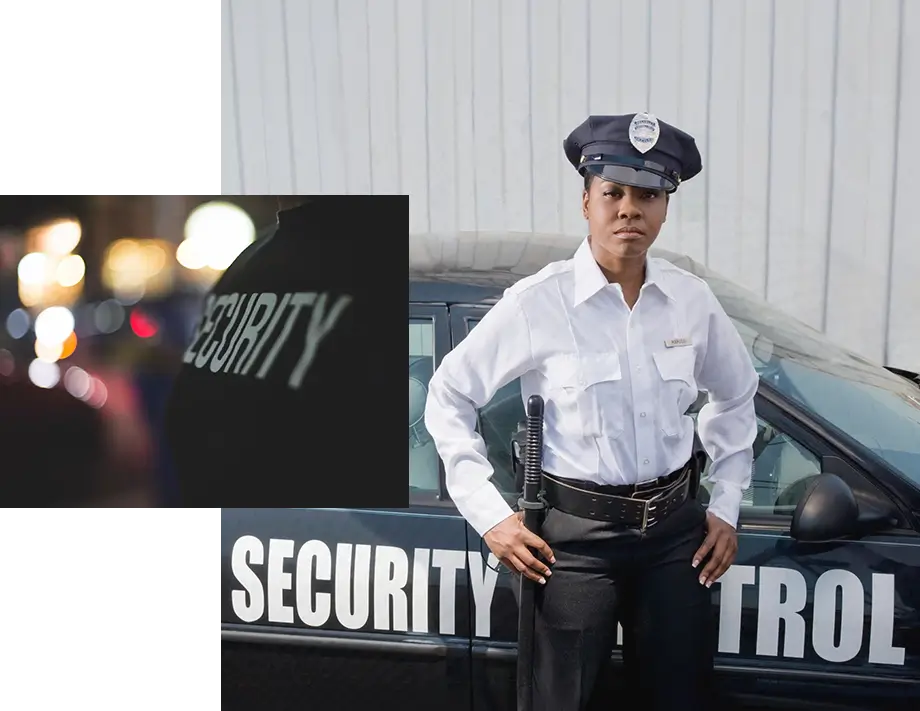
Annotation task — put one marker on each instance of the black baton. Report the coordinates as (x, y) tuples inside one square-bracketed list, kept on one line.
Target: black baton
[(532, 506)]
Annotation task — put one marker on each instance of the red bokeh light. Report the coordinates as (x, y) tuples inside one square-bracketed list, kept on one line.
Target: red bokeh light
[(142, 325)]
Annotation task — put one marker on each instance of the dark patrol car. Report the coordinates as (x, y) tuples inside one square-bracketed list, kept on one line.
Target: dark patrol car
[(821, 607)]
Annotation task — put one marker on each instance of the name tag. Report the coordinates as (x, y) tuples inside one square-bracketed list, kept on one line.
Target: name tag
[(677, 342)]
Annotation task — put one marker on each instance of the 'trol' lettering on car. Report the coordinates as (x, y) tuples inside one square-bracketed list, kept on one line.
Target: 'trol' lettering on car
[(782, 594), (235, 329), (353, 597)]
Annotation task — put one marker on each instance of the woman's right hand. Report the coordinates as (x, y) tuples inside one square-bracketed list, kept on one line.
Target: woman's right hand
[(511, 542)]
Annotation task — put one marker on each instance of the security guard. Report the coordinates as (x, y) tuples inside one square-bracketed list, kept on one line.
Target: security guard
[(618, 344), (279, 366)]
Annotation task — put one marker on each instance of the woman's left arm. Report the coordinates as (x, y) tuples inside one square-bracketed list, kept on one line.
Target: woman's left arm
[(727, 422)]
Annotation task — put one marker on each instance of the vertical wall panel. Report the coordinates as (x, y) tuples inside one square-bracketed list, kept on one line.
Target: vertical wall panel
[(633, 46), (487, 123), (516, 143), (664, 90), (384, 107), (248, 36), (725, 147), (792, 184), (903, 300), (544, 120), (351, 21), (863, 156), (330, 110), (463, 76), (573, 106), (230, 174), (694, 69), (802, 112), (603, 57), (802, 156), (413, 120), (276, 113), (442, 133), (302, 98), (754, 173)]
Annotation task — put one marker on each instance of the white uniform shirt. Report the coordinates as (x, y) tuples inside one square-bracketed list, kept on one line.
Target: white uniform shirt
[(616, 384)]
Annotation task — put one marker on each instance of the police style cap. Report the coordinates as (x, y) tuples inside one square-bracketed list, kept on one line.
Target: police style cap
[(634, 149)]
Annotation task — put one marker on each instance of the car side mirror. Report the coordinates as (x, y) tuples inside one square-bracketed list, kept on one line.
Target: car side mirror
[(827, 510)]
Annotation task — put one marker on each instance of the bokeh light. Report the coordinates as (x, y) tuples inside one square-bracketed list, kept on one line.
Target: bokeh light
[(192, 254), (77, 382), (60, 237), (68, 346), (142, 325), (18, 322), (34, 269), (98, 393), (215, 235), (44, 374), (70, 270), (48, 352), (54, 324), (109, 316)]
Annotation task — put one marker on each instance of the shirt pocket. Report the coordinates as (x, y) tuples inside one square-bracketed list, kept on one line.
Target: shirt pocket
[(584, 393), (677, 388)]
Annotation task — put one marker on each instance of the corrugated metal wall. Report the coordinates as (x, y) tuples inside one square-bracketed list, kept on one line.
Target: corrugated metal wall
[(806, 114)]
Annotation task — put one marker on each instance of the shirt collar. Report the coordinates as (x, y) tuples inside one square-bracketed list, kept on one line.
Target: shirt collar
[(589, 279)]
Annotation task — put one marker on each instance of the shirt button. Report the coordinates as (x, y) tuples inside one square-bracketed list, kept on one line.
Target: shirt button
[(645, 461), (641, 414)]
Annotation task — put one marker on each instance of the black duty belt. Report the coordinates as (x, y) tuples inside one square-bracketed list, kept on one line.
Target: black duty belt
[(638, 506)]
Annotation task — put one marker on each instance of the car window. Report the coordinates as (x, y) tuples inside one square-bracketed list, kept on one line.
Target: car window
[(782, 469), (423, 457)]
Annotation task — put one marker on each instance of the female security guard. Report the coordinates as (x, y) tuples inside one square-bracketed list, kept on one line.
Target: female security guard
[(618, 344)]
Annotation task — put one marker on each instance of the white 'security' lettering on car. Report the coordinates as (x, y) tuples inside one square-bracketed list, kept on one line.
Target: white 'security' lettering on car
[(352, 595), (242, 340), (782, 594)]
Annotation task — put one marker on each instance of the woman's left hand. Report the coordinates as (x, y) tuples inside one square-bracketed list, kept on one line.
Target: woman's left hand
[(721, 544)]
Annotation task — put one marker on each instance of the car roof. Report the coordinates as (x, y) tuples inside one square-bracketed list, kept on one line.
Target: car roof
[(476, 267)]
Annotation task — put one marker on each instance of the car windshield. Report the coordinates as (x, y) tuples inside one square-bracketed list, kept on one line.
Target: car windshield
[(877, 408)]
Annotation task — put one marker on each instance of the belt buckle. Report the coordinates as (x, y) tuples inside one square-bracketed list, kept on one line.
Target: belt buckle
[(645, 516), (645, 511)]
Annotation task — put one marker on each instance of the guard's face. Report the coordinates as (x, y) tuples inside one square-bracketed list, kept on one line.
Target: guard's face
[(623, 220)]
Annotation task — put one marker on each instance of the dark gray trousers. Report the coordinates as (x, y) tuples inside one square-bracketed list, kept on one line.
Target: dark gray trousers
[(648, 584)]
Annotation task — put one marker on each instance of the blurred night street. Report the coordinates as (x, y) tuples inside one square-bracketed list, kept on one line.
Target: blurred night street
[(98, 297)]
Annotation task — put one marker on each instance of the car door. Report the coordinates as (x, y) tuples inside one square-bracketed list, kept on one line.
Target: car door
[(851, 643), (495, 614), (831, 623), (353, 607)]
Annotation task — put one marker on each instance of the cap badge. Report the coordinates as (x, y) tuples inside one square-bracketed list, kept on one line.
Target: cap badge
[(644, 132)]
